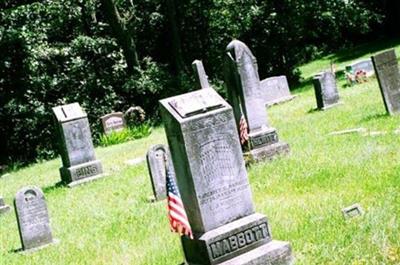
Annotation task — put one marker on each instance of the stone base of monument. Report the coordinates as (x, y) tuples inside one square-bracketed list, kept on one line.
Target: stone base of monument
[(280, 100), (331, 106), (268, 152), (4, 209), (82, 173), (241, 242)]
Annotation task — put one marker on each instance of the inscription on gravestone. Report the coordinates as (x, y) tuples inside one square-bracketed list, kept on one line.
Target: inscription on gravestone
[(3, 207), (213, 183), (387, 72), (33, 218), (245, 96), (113, 122), (156, 163), (76, 146), (200, 73), (326, 91), (275, 90)]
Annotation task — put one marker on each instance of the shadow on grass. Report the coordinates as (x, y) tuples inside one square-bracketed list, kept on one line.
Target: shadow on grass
[(56, 186), (304, 85), (313, 110), (364, 49), (375, 117)]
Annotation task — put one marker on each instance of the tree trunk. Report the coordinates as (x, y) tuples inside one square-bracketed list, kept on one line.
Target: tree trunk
[(175, 37), (122, 34)]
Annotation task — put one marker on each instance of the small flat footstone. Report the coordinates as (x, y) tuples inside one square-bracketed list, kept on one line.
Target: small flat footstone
[(349, 131)]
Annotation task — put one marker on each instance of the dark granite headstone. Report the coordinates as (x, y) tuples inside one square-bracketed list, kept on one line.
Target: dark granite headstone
[(200, 74), (156, 163), (363, 65), (387, 72), (212, 179), (3, 207), (76, 146), (33, 218), (113, 122), (275, 90), (245, 96), (326, 91)]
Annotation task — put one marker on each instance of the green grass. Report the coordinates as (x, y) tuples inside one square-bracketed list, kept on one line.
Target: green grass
[(110, 221), (346, 56)]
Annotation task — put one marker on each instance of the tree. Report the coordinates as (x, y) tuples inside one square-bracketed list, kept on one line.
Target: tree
[(122, 34)]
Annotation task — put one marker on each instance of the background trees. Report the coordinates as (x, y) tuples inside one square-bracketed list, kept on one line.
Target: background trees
[(112, 54)]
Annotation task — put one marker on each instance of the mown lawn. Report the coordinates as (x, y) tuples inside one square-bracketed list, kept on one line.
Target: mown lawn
[(110, 221)]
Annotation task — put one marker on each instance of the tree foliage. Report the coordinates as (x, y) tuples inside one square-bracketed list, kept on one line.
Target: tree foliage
[(112, 54)]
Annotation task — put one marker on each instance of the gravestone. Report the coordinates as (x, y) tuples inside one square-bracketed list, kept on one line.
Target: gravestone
[(3, 207), (32, 218), (212, 179), (113, 122), (245, 96), (363, 65), (76, 146), (275, 90), (157, 169), (326, 91), (387, 72), (200, 73)]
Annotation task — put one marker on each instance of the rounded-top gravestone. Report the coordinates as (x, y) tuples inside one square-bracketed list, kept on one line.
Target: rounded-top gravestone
[(33, 218), (157, 158)]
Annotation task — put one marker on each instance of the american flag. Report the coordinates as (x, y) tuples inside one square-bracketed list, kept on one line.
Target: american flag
[(176, 212), (243, 130)]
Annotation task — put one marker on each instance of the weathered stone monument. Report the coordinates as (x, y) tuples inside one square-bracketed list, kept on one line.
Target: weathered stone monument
[(245, 96), (200, 73), (33, 218), (387, 72), (3, 207), (76, 146), (113, 122), (212, 179), (275, 90), (326, 91), (362, 65), (156, 163)]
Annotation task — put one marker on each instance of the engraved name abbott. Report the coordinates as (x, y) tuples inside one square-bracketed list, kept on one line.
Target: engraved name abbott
[(269, 138), (248, 237)]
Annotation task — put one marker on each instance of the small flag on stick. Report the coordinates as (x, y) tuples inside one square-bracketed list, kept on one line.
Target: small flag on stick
[(178, 220), (243, 130)]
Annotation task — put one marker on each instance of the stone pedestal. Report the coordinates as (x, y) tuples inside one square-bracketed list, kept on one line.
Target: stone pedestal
[(247, 99), (212, 179), (265, 145), (76, 146)]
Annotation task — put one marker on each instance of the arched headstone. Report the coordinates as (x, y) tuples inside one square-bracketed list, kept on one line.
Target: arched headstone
[(33, 218)]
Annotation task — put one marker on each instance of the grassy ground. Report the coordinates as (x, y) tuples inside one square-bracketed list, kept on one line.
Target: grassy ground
[(111, 222)]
